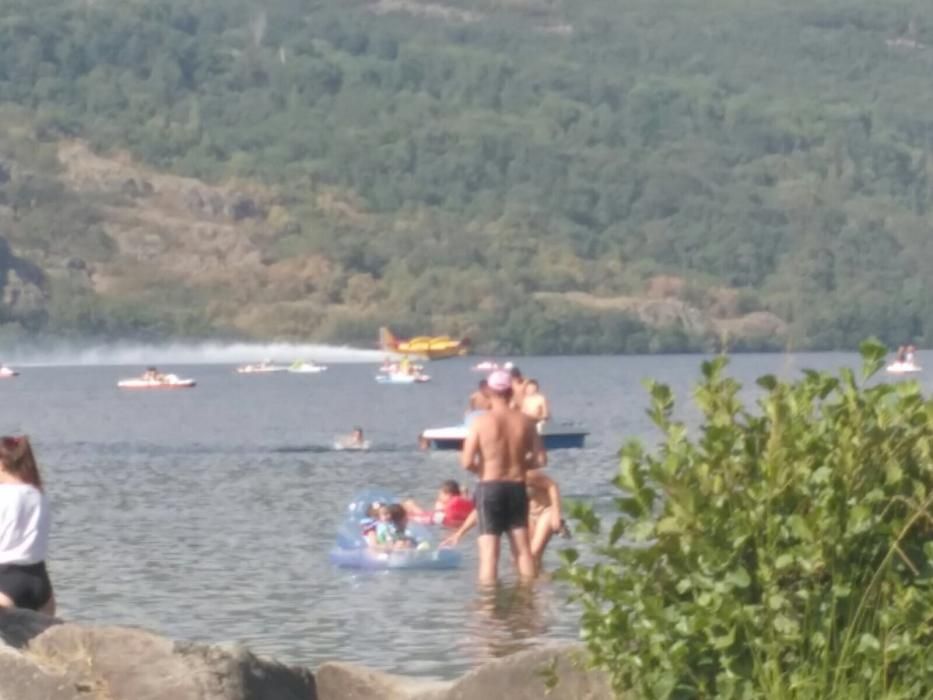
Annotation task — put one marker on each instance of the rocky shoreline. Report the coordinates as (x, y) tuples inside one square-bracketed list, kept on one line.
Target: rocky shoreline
[(42, 658)]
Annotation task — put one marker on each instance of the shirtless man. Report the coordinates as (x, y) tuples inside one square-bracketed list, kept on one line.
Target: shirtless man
[(500, 447), (479, 399), (535, 404), (544, 516)]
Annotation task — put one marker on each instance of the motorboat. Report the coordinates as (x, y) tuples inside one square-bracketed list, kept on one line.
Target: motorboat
[(451, 438), (264, 367), (402, 378), (7, 373), (903, 367), (158, 381), (301, 367)]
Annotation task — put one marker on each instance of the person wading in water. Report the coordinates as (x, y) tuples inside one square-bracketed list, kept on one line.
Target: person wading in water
[(500, 447)]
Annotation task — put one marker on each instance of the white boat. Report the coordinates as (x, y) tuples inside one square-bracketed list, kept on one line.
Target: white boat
[(903, 368), (452, 437), (344, 444), (162, 381), (402, 378), (306, 368), (264, 367), (7, 373)]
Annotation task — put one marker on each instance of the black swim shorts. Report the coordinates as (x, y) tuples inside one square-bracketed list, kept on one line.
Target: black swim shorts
[(27, 585), (501, 506)]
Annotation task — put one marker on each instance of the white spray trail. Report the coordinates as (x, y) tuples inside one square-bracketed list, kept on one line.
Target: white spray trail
[(189, 354)]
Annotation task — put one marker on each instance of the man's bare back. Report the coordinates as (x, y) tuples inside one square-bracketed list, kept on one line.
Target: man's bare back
[(502, 445)]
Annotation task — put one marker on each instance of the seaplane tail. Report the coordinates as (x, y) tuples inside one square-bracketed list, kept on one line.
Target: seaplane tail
[(387, 341)]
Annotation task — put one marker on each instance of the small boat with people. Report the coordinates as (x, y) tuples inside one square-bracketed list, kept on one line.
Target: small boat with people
[(264, 367), (904, 361), (490, 366), (153, 379), (903, 368), (302, 367), (402, 372), (554, 437), (353, 441), (7, 373)]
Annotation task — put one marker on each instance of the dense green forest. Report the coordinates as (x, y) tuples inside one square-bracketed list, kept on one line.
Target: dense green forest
[(472, 166)]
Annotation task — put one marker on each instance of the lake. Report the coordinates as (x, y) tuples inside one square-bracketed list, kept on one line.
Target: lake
[(207, 514)]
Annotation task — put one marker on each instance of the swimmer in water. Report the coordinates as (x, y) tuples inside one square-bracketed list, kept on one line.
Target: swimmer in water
[(501, 446)]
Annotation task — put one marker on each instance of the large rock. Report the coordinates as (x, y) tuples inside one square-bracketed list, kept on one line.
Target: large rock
[(23, 679), (341, 681), (74, 662), (45, 659), (554, 672)]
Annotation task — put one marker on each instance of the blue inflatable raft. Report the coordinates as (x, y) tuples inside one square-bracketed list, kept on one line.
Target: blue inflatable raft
[(351, 550)]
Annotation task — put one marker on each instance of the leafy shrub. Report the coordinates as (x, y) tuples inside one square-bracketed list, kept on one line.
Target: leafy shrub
[(783, 552)]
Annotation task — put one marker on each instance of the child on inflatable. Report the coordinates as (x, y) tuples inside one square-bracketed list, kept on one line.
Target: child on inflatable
[(391, 531)]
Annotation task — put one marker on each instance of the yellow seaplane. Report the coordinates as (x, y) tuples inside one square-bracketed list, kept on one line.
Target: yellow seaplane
[(432, 348)]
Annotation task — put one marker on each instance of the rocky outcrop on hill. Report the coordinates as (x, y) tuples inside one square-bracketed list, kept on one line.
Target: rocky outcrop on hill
[(24, 289), (45, 659)]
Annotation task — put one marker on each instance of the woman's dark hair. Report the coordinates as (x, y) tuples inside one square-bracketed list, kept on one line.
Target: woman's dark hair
[(18, 459), (397, 514), (451, 487)]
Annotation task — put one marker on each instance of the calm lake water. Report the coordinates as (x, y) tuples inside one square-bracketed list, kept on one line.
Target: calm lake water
[(207, 514)]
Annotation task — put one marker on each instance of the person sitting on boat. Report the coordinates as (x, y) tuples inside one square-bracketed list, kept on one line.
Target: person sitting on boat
[(404, 366), (535, 404), (451, 508), (479, 399), (391, 531), (356, 438), (909, 353), (152, 374)]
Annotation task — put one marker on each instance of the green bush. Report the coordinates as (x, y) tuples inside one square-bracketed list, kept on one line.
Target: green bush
[(780, 552)]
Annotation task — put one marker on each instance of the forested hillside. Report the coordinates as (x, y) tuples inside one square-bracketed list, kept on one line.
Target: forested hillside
[(543, 175)]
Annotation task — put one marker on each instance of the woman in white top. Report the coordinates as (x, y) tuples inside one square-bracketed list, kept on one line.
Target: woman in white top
[(24, 530)]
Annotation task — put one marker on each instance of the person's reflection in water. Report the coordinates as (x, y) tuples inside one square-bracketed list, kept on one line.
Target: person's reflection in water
[(507, 618)]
